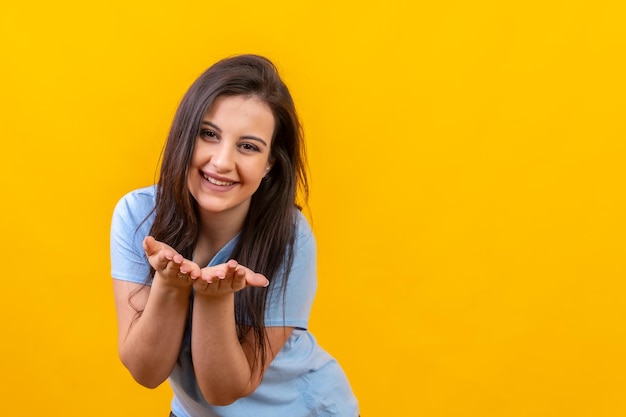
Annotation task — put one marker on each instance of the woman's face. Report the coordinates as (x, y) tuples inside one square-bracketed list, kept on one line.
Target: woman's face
[(232, 155)]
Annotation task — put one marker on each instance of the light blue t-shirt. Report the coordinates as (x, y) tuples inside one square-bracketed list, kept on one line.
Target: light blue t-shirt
[(302, 380)]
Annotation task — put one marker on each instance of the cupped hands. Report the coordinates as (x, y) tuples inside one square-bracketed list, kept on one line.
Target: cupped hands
[(214, 280)]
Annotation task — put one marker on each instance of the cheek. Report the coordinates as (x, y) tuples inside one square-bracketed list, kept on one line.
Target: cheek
[(193, 177), (194, 158), (256, 171)]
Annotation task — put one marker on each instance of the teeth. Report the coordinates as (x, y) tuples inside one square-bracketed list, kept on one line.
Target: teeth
[(216, 182)]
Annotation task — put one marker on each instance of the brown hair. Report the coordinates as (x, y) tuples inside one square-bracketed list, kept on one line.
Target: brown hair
[(266, 240)]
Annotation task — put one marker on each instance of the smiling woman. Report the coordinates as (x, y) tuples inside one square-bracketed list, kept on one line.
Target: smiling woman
[(231, 156), (215, 267)]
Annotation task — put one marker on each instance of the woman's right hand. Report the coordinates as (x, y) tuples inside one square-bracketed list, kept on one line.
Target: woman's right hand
[(169, 264)]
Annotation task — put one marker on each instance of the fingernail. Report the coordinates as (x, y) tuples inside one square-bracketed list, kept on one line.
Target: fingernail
[(268, 283)]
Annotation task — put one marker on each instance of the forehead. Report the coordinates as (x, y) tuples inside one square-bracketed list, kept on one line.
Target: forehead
[(241, 115), (241, 103)]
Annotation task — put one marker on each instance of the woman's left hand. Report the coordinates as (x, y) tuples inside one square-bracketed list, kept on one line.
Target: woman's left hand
[(227, 278)]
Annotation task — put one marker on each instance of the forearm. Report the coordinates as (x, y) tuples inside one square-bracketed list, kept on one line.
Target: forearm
[(222, 368), (153, 342)]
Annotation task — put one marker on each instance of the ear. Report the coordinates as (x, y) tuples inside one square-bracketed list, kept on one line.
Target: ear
[(268, 168)]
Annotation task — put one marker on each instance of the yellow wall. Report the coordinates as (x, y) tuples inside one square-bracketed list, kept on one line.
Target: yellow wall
[(468, 162)]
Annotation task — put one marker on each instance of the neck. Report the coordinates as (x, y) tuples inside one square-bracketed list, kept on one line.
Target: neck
[(216, 230)]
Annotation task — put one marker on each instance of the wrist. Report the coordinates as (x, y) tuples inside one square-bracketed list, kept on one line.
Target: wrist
[(216, 303), (174, 288)]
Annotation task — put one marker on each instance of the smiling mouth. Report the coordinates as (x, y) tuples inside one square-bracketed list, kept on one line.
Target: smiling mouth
[(216, 182)]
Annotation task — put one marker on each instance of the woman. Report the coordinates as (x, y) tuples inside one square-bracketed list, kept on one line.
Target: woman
[(214, 268)]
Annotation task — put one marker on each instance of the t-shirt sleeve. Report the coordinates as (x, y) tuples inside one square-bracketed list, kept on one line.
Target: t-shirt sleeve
[(294, 309), (129, 226)]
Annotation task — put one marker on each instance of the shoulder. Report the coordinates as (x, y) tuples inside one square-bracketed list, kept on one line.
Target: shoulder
[(134, 208), (304, 242), (304, 245), (138, 200), (293, 289), (303, 228), (137, 203)]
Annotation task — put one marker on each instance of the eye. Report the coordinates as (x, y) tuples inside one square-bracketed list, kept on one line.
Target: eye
[(249, 147), (208, 134)]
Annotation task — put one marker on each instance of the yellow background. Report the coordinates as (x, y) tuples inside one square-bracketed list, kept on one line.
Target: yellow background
[(467, 161)]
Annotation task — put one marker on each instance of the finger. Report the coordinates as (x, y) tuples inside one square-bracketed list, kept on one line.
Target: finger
[(239, 279), (210, 274), (158, 257), (152, 247), (230, 268), (255, 279), (203, 287), (190, 268)]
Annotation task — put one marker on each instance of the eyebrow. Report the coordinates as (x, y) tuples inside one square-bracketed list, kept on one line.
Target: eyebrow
[(250, 137)]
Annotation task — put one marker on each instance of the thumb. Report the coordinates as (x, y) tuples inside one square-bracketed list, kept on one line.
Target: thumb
[(150, 245)]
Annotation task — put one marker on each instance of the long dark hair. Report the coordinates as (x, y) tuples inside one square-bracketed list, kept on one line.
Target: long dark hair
[(266, 240)]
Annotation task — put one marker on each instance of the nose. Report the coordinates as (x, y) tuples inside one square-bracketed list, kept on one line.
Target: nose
[(223, 157)]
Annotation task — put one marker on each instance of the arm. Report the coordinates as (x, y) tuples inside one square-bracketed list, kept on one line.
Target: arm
[(225, 368), (149, 343), (215, 348)]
